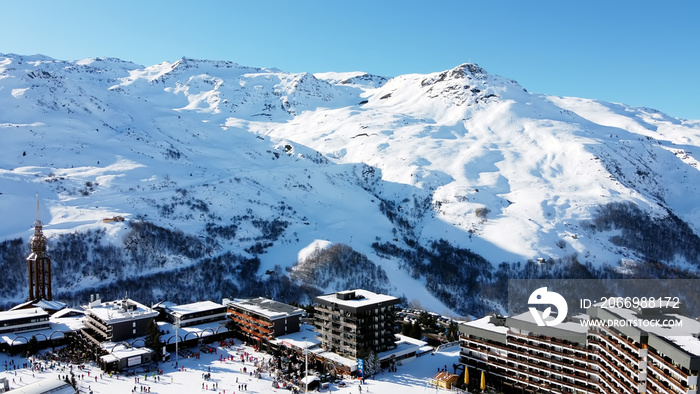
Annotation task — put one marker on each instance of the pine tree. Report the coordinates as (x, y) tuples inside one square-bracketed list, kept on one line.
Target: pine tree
[(453, 332), (369, 367), (372, 365), (416, 330), (32, 345), (376, 366), (153, 338)]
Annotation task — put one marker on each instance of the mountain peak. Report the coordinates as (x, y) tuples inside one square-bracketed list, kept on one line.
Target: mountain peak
[(263, 163), (468, 68), (464, 71)]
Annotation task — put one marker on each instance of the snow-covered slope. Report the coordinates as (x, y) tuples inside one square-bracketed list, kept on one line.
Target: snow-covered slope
[(292, 160), (539, 164)]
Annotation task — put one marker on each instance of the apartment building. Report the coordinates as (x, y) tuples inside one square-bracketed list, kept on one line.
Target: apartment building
[(587, 353), (347, 322), (668, 356), (195, 313), (116, 320), (261, 318)]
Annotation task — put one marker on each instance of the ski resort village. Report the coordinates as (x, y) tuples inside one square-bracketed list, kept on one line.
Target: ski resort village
[(353, 340), (201, 226), (387, 197)]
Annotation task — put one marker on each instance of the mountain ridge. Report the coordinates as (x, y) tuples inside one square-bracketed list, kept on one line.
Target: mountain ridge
[(284, 160)]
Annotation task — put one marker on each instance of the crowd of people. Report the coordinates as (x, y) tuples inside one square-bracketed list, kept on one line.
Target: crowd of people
[(74, 363)]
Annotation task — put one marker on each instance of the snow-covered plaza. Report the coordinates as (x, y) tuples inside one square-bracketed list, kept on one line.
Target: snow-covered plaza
[(227, 375)]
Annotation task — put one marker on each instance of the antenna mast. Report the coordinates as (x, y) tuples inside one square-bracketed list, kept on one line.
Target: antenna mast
[(38, 214)]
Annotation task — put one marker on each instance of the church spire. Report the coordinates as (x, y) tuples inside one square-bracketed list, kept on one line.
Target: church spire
[(38, 262), (38, 240)]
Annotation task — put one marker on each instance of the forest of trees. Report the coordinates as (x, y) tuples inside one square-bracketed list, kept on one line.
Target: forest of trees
[(340, 267), (154, 264), (454, 275), (13, 265), (654, 238)]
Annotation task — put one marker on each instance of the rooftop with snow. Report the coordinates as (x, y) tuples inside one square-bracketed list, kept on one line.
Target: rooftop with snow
[(119, 310), (200, 306), (357, 299), (266, 307)]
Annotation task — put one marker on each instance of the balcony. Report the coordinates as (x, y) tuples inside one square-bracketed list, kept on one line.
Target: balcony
[(250, 318), (612, 344), (255, 333), (656, 385), (612, 357), (536, 380), (252, 329), (525, 365), (675, 384), (549, 345), (659, 360), (564, 359), (520, 357), (610, 370), (99, 329), (98, 324), (91, 336)]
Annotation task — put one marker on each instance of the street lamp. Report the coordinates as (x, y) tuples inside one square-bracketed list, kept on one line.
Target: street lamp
[(306, 374), (177, 339)]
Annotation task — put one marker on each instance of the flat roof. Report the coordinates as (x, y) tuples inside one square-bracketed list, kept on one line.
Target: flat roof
[(114, 311), (688, 343), (336, 358), (485, 324), (56, 325), (267, 307), (194, 307), (405, 345), (68, 311), (297, 339), (565, 327), (682, 333), (445, 376), (67, 323), (53, 386), (20, 313), (362, 299), (122, 353), (486, 329)]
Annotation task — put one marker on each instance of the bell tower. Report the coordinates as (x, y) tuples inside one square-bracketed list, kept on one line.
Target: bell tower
[(39, 263)]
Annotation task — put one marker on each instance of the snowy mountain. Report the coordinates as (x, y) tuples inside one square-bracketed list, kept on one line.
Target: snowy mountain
[(237, 181)]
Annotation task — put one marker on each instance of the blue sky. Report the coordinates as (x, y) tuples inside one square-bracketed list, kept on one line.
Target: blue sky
[(641, 53)]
